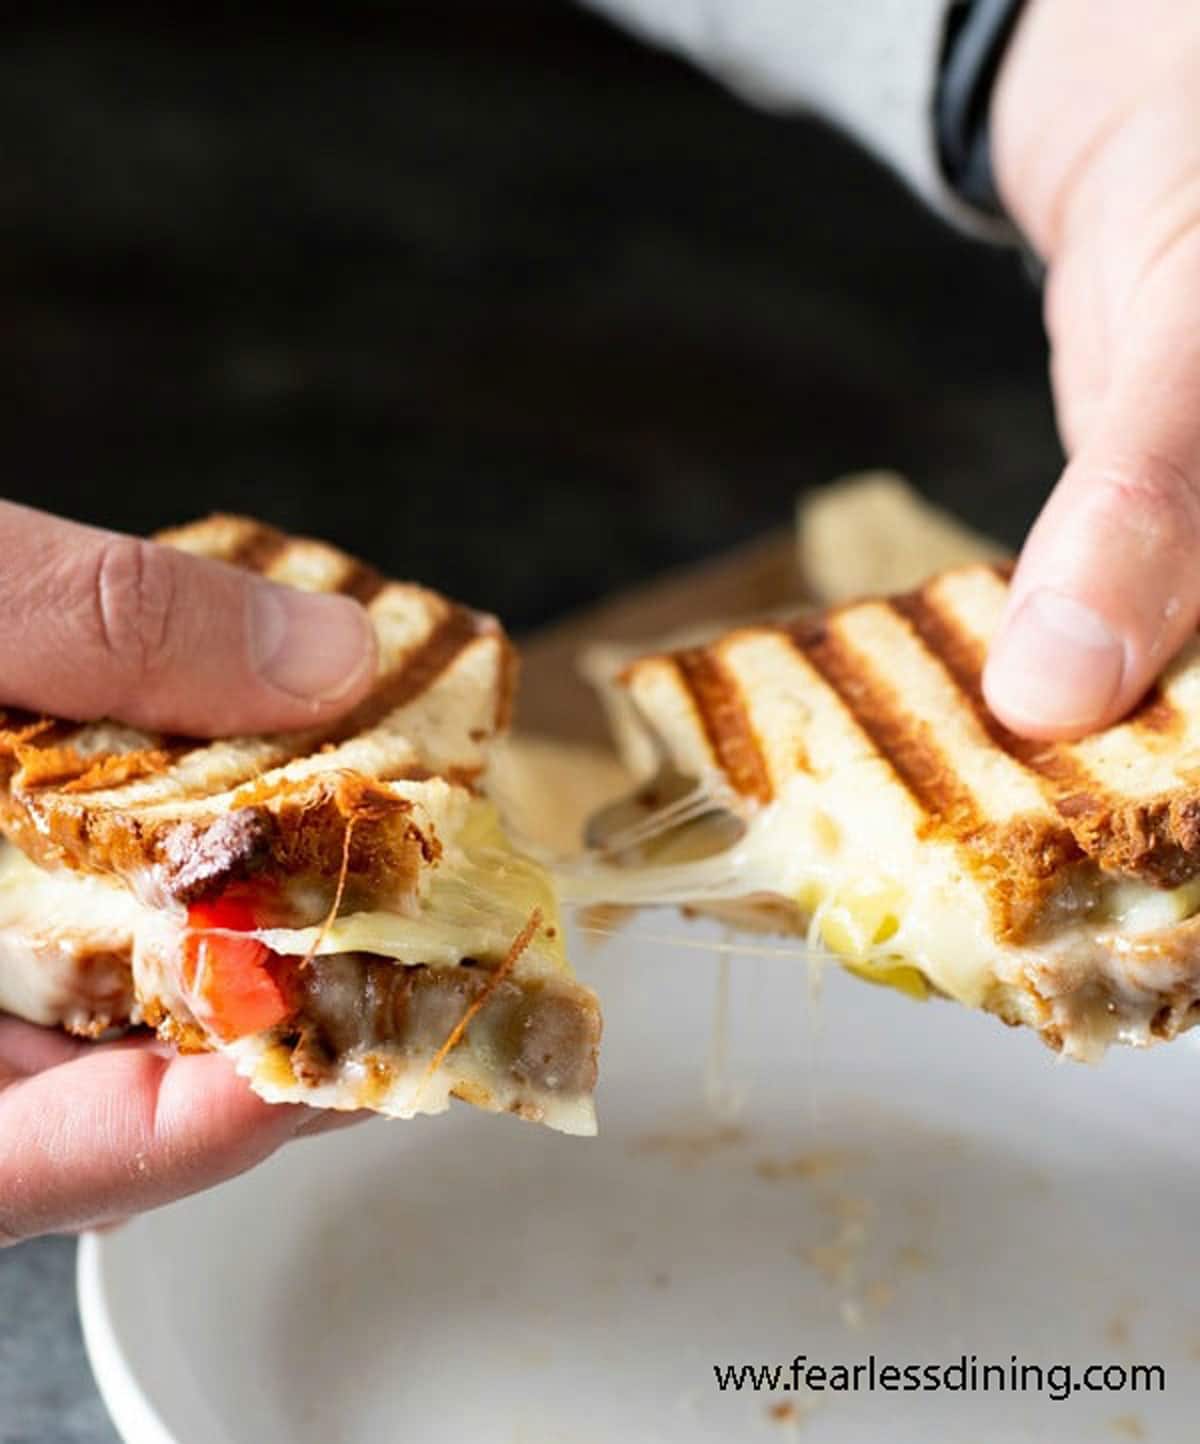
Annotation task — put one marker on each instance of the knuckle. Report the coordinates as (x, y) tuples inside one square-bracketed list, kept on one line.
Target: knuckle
[(134, 599)]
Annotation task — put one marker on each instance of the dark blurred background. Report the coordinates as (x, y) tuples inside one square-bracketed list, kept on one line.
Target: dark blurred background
[(485, 291)]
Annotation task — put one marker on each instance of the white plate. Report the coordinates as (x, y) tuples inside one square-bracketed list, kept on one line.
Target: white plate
[(913, 1182)]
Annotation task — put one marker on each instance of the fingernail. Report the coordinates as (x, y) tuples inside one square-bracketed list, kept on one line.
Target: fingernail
[(1057, 664), (309, 645)]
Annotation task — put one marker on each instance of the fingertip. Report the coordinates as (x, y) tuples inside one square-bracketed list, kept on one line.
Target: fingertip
[(1057, 669), (315, 649)]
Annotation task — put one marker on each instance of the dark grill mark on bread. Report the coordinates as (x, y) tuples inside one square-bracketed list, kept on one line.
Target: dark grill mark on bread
[(417, 672), (256, 547), (962, 658), (50, 769), (722, 712), (259, 546), (906, 743), (1018, 860), (362, 582), (1157, 839)]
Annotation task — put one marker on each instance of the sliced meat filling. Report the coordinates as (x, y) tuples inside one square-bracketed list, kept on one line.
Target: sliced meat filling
[(544, 1034)]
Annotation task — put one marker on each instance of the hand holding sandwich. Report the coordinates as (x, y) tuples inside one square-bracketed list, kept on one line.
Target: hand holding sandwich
[(102, 625), (1096, 145)]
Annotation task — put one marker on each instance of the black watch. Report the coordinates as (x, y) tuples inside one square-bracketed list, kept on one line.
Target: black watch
[(976, 33)]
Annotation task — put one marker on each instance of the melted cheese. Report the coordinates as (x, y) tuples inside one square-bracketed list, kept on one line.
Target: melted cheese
[(897, 913), (412, 1090), (479, 896), (472, 904), (29, 893), (64, 944), (934, 919)]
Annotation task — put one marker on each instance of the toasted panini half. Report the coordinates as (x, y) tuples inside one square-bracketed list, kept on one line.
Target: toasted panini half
[(878, 807), (337, 910)]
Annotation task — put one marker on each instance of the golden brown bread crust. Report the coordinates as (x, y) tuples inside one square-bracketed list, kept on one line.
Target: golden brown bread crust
[(84, 796), (1157, 840), (295, 833), (1126, 801), (295, 837)]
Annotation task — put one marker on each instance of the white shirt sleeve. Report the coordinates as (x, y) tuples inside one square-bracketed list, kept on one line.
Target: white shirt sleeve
[(868, 66)]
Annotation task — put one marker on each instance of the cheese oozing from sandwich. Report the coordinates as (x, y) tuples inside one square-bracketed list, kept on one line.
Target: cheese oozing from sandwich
[(65, 945), (398, 1008), (472, 903), (881, 812), (914, 919)]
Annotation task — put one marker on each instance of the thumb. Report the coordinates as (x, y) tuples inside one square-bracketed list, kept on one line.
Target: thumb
[(101, 625), (1108, 585)]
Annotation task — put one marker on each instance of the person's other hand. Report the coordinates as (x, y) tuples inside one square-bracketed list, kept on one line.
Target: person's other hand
[(1096, 136), (93, 624)]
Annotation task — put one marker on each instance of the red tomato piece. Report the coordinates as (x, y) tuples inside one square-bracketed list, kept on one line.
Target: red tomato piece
[(232, 912), (232, 975)]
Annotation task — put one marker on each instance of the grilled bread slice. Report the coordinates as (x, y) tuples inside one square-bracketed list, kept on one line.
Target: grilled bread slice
[(337, 909), (887, 813)]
